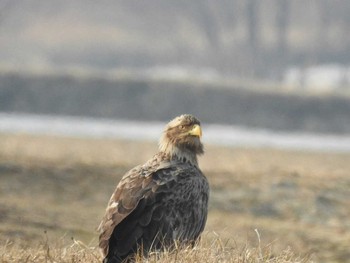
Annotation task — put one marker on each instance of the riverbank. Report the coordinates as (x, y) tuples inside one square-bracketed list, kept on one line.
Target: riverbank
[(144, 99)]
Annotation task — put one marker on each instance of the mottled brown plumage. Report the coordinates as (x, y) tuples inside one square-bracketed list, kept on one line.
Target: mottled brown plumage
[(161, 202)]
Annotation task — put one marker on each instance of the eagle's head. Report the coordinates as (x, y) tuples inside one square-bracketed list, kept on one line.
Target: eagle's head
[(181, 138)]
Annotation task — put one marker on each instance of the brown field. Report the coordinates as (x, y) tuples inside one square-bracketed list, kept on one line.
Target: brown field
[(266, 205)]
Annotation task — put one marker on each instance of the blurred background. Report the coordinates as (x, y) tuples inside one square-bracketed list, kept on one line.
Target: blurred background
[(277, 65), (293, 44), (101, 74)]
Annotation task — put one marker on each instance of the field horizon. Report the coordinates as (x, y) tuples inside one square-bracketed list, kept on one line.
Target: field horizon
[(266, 205)]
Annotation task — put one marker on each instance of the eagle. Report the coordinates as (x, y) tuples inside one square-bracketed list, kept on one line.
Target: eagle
[(161, 203)]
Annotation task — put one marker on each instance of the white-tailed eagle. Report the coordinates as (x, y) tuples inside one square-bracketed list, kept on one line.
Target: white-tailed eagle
[(160, 202)]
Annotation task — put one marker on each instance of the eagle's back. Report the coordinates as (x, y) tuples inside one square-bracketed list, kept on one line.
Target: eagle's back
[(153, 205)]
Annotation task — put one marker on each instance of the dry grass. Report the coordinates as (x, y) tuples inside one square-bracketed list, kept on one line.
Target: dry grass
[(205, 251), (298, 201), (57, 251)]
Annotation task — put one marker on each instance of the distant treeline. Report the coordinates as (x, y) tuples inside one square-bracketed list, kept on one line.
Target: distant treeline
[(162, 100), (245, 38)]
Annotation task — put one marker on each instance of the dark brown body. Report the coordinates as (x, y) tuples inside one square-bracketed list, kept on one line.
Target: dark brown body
[(156, 204)]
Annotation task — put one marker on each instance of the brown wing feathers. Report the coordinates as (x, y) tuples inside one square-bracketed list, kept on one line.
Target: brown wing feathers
[(124, 200)]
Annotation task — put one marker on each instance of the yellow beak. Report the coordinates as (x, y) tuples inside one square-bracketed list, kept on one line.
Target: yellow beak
[(196, 131)]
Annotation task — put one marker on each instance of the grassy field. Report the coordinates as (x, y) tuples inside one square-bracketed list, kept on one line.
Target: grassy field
[(266, 205)]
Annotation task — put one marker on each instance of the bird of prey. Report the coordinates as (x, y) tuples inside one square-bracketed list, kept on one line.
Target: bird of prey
[(160, 203)]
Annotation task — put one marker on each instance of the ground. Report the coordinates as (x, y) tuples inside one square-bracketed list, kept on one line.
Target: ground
[(265, 204)]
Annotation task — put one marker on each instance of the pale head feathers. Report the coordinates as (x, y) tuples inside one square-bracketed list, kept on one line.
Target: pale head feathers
[(181, 139)]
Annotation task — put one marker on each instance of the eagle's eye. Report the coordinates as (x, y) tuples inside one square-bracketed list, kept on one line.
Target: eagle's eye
[(182, 127)]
